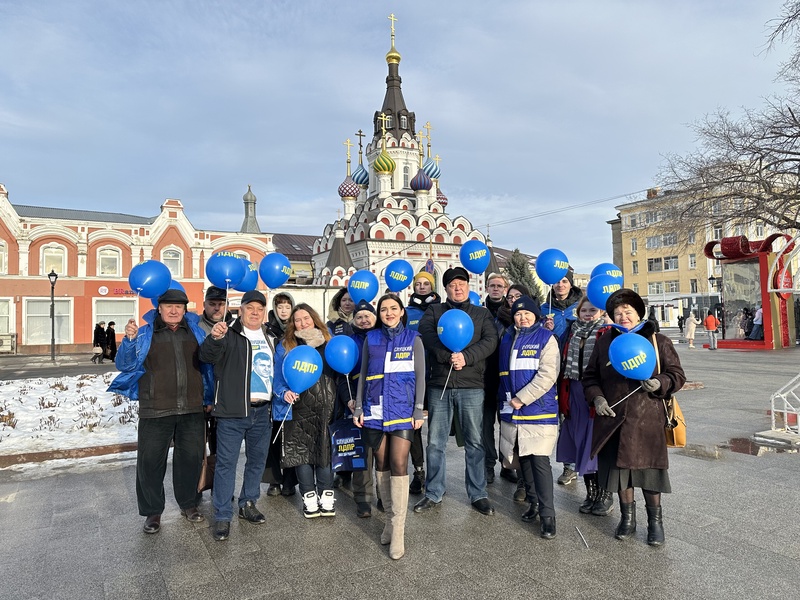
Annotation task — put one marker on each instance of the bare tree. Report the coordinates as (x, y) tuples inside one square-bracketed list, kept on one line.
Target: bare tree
[(746, 169)]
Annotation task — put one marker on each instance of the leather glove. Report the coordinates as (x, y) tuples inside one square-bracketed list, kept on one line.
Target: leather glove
[(651, 385), (601, 407)]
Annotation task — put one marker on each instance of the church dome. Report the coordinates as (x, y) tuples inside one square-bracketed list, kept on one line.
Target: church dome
[(421, 181), (360, 175), (432, 169), (349, 188), (441, 198), (384, 163), (249, 195)]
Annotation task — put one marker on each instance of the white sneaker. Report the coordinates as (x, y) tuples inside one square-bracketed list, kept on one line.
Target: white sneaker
[(327, 504), (310, 505)]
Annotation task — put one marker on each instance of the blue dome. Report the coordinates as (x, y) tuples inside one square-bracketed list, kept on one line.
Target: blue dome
[(360, 176), (431, 168), (421, 181)]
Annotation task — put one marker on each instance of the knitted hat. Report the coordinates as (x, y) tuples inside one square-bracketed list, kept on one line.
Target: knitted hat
[(425, 275), (364, 305), (455, 273), (173, 296), (254, 296), (625, 296), (526, 303)]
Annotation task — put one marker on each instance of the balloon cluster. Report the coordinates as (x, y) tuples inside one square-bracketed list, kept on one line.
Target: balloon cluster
[(606, 278)]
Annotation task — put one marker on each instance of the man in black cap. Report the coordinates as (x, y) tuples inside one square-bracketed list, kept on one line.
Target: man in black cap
[(456, 385), (242, 409), (159, 366), (214, 308)]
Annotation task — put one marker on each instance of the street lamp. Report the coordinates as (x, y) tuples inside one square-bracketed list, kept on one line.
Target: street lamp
[(52, 276), (716, 282)]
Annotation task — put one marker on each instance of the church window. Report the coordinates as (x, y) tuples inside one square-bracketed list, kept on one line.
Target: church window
[(54, 259), (405, 176), (403, 122)]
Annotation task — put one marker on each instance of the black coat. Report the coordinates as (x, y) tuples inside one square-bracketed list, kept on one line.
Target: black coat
[(483, 343), (99, 338), (640, 418)]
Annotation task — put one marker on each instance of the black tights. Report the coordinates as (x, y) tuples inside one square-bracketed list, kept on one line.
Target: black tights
[(392, 455), (650, 498)]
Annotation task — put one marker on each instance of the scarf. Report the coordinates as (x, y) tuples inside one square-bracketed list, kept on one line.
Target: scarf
[(312, 337), (581, 345)]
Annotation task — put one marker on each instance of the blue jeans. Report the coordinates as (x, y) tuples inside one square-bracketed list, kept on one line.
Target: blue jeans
[(306, 475), (469, 405), (254, 430)]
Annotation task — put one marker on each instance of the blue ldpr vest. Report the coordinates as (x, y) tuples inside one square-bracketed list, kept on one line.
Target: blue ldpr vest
[(390, 387), (413, 315), (518, 366)]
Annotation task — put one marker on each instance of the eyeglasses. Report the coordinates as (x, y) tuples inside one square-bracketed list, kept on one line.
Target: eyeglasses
[(513, 298)]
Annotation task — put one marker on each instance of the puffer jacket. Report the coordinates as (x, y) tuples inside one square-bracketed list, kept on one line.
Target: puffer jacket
[(305, 439), (640, 418)]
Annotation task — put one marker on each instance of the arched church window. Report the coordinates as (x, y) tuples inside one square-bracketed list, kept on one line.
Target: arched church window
[(403, 122), (405, 175)]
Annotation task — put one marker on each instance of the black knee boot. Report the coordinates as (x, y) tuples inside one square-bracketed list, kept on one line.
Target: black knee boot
[(627, 522), (591, 493), (655, 528)]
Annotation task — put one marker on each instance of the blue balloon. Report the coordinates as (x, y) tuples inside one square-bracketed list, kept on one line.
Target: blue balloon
[(399, 275), (225, 269), (275, 270), (250, 279), (455, 329), (150, 279), (173, 285), (632, 356), (363, 285), (302, 368), (607, 269), (474, 298), (474, 255), (341, 353), (551, 266), (600, 288)]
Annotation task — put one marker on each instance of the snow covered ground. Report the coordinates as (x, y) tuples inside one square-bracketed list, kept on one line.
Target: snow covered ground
[(61, 413)]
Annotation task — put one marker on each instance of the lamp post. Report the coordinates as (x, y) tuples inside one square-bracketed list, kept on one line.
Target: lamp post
[(52, 276), (717, 282)]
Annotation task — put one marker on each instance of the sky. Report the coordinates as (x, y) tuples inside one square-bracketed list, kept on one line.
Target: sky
[(537, 106)]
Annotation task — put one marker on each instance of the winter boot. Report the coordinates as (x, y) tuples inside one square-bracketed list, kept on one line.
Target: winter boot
[(385, 491), (627, 522), (418, 483), (655, 528), (591, 494), (399, 492), (310, 505), (327, 504), (603, 503)]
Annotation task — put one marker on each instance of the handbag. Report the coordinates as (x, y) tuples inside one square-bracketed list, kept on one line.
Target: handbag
[(675, 425), (97, 350)]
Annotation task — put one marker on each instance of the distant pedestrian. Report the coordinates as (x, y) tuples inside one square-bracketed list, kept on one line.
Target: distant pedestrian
[(99, 342), (691, 326), (111, 341), (711, 324), (758, 325), (680, 324)]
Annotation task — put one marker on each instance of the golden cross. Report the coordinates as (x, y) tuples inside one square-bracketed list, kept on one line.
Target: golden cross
[(392, 18), (429, 128), (421, 151), (383, 119), (437, 158), (349, 145)]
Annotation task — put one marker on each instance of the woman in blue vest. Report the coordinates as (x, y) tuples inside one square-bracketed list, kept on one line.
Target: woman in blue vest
[(529, 364), (389, 405)]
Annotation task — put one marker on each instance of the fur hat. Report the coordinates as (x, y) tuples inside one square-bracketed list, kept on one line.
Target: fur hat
[(173, 296), (455, 273), (625, 296), (427, 276), (526, 303)]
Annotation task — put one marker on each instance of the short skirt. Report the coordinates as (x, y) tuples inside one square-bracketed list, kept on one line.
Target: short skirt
[(373, 437)]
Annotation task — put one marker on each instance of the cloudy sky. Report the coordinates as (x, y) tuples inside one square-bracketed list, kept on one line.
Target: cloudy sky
[(536, 105)]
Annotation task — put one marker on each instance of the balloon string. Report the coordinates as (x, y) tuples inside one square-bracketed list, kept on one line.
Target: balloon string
[(225, 314), (626, 397), (444, 389), (277, 433)]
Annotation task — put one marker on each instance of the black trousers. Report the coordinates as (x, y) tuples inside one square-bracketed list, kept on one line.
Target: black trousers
[(490, 417), (155, 437), (273, 474), (538, 478)]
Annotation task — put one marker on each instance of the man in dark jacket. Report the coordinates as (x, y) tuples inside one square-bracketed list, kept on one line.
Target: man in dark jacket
[(456, 385), (159, 366), (240, 354)]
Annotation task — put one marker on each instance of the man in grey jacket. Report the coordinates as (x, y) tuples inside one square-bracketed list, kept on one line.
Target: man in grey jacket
[(456, 386)]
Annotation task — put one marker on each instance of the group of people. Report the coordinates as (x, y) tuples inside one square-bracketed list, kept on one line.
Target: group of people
[(536, 369), (104, 342)]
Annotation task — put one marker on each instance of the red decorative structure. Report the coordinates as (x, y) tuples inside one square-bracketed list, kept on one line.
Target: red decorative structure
[(748, 271)]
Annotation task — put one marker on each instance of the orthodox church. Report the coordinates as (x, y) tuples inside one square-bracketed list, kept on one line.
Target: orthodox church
[(393, 207)]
